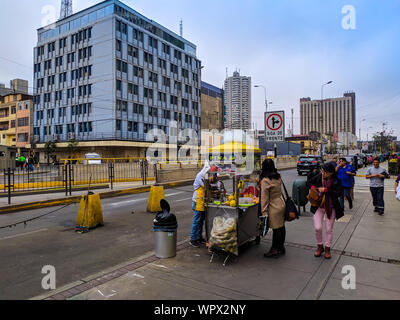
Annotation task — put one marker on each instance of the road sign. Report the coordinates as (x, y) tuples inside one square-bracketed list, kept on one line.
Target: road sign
[(275, 126)]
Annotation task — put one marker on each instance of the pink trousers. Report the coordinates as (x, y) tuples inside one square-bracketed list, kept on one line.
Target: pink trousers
[(318, 221)]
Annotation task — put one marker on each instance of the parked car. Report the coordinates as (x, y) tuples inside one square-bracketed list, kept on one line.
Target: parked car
[(308, 163), (95, 156)]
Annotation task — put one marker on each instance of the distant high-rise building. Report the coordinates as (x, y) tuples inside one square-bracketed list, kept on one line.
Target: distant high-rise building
[(237, 102), (328, 116)]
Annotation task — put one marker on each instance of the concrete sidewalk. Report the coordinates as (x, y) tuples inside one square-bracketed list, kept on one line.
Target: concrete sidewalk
[(362, 239)]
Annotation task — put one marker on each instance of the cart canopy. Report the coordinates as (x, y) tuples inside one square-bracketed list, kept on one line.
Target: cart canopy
[(232, 147)]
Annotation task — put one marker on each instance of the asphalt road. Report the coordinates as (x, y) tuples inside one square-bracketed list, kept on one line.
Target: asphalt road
[(51, 240)]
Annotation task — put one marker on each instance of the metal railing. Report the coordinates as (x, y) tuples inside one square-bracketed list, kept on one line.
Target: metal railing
[(70, 176)]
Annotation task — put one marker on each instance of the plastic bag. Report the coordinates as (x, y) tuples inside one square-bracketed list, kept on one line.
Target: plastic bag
[(224, 234), (165, 217), (398, 193)]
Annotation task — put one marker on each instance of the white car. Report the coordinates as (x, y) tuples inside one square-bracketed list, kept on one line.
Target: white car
[(96, 158)]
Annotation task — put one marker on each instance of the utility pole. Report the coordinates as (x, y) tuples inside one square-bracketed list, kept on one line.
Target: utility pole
[(178, 122), (292, 122)]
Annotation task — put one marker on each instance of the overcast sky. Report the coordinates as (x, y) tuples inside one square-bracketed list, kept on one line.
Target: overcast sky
[(289, 46)]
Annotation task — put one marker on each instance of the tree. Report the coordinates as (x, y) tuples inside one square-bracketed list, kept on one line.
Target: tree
[(383, 141), (49, 148), (72, 148)]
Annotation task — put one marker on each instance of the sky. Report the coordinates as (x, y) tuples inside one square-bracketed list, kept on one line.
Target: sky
[(291, 47)]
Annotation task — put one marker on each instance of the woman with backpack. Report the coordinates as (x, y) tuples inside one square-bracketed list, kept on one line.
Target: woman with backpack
[(327, 188), (273, 206)]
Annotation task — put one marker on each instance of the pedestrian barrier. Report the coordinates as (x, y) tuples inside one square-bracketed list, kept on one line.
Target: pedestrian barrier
[(90, 213), (155, 196)]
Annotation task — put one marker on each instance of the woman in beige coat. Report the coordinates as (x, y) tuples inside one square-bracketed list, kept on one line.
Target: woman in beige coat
[(273, 206)]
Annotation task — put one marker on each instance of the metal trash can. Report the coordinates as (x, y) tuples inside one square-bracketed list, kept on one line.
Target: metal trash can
[(165, 243), (300, 192), (165, 232)]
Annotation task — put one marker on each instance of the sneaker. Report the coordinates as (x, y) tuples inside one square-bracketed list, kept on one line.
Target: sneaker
[(381, 213), (202, 241), (351, 206), (194, 244), (376, 210)]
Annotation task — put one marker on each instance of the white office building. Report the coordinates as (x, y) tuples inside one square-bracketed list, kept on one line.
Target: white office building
[(109, 73)]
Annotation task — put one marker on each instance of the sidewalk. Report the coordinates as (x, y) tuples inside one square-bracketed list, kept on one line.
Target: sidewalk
[(362, 239)]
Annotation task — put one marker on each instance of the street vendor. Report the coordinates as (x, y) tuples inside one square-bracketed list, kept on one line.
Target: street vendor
[(198, 207), (217, 186)]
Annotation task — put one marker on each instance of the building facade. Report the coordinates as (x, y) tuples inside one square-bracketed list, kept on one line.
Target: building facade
[(237, 114), (108, 73), (329, 116), (15, 120), (16, 86), (212, 107)]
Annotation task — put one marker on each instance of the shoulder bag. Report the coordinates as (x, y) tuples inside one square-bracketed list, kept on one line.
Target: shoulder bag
[(291, 212)]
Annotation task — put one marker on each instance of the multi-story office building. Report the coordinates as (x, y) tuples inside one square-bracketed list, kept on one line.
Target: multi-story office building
[(108, 73), (328, 116), (237, 102), (212, 107), (16, 86), (15, 120)]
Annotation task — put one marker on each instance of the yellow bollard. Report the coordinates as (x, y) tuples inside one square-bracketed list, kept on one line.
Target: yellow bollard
[(156, 195), (90, 213)]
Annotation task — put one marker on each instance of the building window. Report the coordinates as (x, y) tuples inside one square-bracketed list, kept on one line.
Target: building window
[(132, 51), (118, 125), (162, 64), (118, 44), (166, 48), (138, 35), (119, 85)]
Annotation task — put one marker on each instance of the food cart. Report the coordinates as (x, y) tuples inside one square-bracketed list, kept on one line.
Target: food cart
[(233, 220)]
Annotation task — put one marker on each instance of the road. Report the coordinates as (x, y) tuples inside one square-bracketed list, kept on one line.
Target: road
[(51, 240)]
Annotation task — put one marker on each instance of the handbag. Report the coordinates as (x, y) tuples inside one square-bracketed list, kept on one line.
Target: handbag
[(316, 198), (291, 212)]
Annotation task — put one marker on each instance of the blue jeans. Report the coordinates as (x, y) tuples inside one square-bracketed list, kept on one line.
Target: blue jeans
[(197, 223), (377, 197), (346, 193)]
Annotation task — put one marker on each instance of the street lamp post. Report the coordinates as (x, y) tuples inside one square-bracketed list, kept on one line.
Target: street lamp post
[(361, 121), (265, 94), (321, 118)]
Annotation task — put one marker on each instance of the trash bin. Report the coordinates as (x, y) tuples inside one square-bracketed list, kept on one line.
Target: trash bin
[(165, 240), (300, 192), (165, 232)]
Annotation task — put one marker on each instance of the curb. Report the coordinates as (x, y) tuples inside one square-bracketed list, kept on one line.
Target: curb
[(77, 199)]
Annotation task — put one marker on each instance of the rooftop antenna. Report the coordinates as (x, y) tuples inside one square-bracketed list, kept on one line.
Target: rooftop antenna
[(66, 9), (181, 28)]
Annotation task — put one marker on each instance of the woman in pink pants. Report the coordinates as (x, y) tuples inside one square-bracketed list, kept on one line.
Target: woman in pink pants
[(327, 183)]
